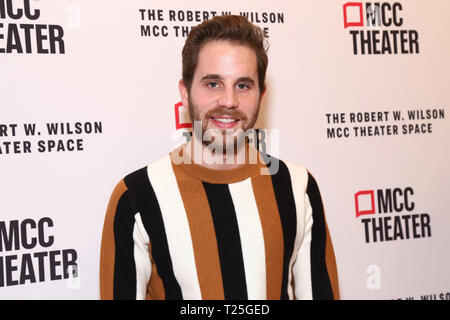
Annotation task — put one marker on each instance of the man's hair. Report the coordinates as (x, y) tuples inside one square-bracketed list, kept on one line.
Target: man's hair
[(233, 28)]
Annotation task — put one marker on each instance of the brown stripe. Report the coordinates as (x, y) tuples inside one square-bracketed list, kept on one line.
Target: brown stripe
[(330, 261), (108, 250), (203, 235), (273, 234), (180, 156), (155, 287)]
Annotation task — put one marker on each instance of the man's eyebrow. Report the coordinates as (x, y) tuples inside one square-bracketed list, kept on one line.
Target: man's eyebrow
[(214, 76), (246, 79), (211, 77)]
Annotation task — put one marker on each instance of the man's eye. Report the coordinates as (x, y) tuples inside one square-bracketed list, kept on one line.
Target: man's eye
[(242, 86), (213, 85)]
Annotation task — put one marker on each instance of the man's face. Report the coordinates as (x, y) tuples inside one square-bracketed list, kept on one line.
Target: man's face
[(224, 94)]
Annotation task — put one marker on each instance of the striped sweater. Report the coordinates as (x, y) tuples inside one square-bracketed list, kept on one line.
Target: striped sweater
[(182, 231)]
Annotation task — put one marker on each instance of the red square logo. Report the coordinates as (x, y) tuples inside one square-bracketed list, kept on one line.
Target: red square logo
[(364, 202), (353, 14), (182, 119)]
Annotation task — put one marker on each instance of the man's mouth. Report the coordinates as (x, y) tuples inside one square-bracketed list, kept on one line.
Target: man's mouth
[(225, 120), (222, 122)]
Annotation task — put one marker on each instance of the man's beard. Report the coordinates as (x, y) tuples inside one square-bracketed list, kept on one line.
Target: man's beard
[(231, 139)]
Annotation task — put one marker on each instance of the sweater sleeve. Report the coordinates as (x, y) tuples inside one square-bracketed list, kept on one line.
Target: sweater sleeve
[(315, 272), (125, 266)]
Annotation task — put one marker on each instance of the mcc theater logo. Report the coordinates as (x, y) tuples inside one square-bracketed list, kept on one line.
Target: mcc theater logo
[(22, 31), (388, 215), (379, 28), (28, 254)]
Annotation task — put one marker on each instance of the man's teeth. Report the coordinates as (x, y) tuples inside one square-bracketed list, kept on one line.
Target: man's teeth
[(225, 120)]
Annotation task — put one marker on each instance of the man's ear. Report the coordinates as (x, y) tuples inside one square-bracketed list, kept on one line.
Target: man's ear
[(261, 96), (184, 94)]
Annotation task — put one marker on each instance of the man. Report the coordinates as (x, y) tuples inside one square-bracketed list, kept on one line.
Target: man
[(207, 222)]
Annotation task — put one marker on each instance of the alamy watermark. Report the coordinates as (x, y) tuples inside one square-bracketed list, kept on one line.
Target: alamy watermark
[(228, 146)]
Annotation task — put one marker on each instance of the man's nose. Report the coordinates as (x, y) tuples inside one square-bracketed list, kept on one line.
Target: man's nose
[(228, 99)]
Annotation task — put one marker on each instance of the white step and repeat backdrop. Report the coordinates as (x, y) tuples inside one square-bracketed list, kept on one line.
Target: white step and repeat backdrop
[(358, 92)]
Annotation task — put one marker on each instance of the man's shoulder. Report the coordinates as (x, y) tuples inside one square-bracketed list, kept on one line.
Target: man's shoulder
[(282, 167), (140, 176), (299, 175), (294, 167)]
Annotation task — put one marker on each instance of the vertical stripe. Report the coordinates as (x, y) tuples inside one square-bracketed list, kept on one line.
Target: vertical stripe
[(155, 287), (299, 178), (141, 258), (273, 234), (108, 249), (203, 235), (286, 206), (330, 261), (228, 241), (176, 225), (124, 264), (302, 266), (252, 239), (319, 275), (147, 204)]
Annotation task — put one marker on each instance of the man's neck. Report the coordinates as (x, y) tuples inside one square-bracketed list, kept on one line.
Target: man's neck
[(207, 157)]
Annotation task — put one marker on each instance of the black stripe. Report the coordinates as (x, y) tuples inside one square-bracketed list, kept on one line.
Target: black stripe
[(147, 204), (228, 241), (124, 266), (286, 207), (321, 286)]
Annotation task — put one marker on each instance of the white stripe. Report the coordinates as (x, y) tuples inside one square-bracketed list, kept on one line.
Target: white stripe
[(164, 183), (252, 239), (141, 257), (301, 269)]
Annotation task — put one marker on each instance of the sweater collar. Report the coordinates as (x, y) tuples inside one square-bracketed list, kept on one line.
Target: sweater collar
[(253, 161)]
